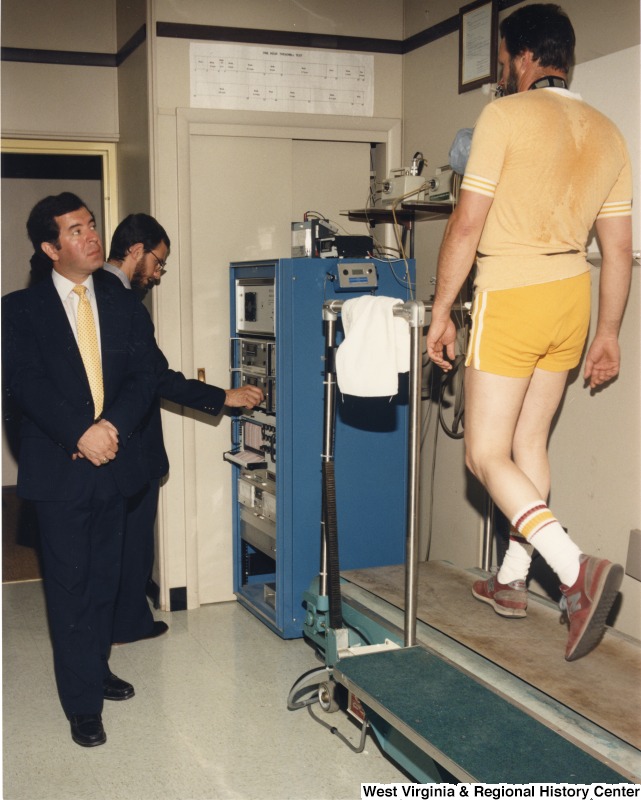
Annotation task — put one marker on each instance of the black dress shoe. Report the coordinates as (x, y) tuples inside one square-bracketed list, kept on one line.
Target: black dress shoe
[(87, 730), (157, 629), (116, 689)]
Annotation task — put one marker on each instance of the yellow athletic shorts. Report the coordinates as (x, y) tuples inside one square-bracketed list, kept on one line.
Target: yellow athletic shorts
[(542, 326)]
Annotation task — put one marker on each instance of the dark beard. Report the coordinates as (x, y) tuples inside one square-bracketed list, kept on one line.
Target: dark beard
[(512, 82), (138, 281)]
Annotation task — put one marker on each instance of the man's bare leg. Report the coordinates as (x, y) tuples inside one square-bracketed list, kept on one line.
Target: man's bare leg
[(530, 453), (508, 419), (506, 422)]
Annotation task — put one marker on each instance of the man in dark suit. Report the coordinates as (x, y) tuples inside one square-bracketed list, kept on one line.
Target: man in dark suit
[(137, 257), (78, 363)]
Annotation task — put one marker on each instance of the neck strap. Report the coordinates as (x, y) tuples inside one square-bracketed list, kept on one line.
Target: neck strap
[(549, 80)]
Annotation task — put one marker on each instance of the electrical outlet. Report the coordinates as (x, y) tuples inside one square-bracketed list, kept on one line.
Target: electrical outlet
[(633, 563)]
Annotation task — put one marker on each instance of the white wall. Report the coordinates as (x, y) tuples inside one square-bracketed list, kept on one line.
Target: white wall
[(134, 150), (57, 101), (74, 25), (611, 84), (381, 19)]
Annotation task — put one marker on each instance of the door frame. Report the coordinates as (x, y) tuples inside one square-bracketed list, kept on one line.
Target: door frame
[(107, 153), (206, 122)]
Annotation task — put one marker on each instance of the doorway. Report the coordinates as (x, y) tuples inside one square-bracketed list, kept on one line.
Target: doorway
[(30, 171), (280, 166)]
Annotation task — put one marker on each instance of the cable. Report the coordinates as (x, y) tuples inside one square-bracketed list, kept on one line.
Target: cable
[(428, 374), (297, 686), (454, 379), (293, 705), (332, 729), (455, 430), (399, 242), (432, 483), (394, 254), (447, 380), (396, 225), (402, 281), (363, 636)]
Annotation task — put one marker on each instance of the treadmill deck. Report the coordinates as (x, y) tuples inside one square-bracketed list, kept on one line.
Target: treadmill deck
[(604, 687)]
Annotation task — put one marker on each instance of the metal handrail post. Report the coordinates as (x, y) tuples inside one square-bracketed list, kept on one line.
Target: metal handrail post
[(415, 313), (487, 534)]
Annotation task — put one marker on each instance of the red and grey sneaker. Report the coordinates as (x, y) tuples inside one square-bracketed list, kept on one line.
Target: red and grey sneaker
[(507, 599), (586, 605)]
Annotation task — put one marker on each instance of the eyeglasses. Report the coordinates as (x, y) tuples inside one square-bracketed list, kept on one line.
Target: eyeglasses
[(160, 264)]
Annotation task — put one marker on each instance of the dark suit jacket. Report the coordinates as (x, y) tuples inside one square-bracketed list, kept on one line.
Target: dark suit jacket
[(45, 377), (188, 392), (173, 386)]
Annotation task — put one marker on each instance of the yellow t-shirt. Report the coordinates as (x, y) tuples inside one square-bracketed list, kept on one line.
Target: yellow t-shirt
[(552, 165)]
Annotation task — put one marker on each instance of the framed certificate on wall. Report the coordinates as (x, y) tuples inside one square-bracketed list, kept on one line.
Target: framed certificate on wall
[(478, 40)]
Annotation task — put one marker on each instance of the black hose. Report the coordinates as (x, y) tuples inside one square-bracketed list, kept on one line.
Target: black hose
[(331, 538)]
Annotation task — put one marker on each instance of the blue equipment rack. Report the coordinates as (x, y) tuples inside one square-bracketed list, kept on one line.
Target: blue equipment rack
[(371, 439)]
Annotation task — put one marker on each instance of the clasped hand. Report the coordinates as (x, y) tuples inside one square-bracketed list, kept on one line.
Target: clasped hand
[(98, 444)]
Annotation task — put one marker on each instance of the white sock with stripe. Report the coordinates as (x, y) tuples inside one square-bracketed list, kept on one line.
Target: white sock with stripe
[(545, 533), (516, 561)]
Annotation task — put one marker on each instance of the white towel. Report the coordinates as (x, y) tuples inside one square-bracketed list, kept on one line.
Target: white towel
[(375, 349)]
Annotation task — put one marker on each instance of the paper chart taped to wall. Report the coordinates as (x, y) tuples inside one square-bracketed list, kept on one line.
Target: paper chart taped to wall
[(277, 79)]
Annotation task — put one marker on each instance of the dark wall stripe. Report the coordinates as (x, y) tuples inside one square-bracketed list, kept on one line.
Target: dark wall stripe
[(77, 59), (132, 45), (431, 34), (176, 30), (319, 41), (444, 28)]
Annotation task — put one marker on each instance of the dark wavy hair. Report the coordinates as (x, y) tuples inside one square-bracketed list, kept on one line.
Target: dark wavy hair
[(134, 229), (545, 30), (42, 227)]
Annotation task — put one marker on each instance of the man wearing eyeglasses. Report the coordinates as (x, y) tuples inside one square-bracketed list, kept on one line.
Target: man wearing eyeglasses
[(137, 257), (139, 251)]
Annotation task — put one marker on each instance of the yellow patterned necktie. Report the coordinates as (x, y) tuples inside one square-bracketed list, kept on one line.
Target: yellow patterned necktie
[(89, 350)]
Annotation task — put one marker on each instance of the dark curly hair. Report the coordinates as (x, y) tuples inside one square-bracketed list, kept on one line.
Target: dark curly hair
[(134, 229), (545, 30)]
